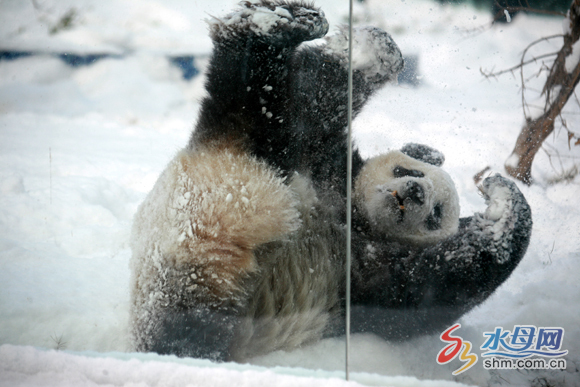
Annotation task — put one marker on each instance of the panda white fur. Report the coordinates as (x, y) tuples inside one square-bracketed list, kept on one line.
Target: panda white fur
[(406, 199), (239, 248)]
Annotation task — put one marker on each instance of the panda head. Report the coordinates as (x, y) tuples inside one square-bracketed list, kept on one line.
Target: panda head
[(407, 197)]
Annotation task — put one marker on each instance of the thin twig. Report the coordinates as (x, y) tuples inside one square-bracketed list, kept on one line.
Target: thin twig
[(512, 69), (546, 38)]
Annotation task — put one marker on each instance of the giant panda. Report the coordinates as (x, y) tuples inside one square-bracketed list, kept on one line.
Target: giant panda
[(239, 249)]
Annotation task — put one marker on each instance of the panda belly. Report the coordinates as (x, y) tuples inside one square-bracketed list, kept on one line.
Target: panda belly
[(296, 300)]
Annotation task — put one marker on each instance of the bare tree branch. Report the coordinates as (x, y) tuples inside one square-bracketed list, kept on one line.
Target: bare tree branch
[(560, 82)]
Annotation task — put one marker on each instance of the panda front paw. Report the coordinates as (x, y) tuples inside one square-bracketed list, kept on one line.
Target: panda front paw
[(501, 195), (507, 221), (278, 22), (375, 53)]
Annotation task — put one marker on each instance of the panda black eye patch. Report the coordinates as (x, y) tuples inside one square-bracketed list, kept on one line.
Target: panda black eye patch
[(399, 171), (433, 221)]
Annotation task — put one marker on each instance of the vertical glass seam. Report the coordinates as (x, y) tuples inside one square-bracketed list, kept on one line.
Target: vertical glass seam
[(348, 193)]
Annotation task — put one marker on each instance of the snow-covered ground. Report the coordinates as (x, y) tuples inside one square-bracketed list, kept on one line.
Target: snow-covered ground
[(81, 147)]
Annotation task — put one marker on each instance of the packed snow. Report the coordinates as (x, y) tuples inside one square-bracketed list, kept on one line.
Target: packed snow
[(80, 148)]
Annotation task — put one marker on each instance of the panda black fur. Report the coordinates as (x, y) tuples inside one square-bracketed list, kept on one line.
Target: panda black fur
[(239, 248), (427, 277)]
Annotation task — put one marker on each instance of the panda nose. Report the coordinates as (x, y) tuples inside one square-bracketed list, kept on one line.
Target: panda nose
[(415, 192)]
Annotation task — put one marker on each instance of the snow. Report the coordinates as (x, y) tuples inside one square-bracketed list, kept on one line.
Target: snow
[(365, 46), (81, 147), (261, 20), (573, 59), (27, 366), (508, 18), (512, 161), (498, 203)]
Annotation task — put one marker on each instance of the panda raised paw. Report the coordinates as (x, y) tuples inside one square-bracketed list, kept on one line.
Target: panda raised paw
[(278, 22), (375, 53), (501, 196), (506, 209)]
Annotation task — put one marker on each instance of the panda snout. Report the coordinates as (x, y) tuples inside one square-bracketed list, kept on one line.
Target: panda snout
[(411, 192), (415, 192)]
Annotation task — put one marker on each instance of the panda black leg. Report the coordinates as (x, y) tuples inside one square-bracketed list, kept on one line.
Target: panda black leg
[(321, 73), (247, 79), (199, 332), (320, 95)]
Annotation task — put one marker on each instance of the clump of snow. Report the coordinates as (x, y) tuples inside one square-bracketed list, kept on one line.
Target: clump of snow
[(81, 148), (374, 52), (512, 161), (263, 21), (498, 203), (508, 17)]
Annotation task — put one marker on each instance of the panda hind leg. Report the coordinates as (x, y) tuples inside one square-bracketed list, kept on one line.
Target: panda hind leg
[(247, 81), (193, 245)]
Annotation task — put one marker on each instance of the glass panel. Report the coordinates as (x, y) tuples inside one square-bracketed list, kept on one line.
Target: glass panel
[(124, 232), (125, 236), (444, 284)]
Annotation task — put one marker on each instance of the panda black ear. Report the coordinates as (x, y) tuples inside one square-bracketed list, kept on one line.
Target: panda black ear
[(424, 153)]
